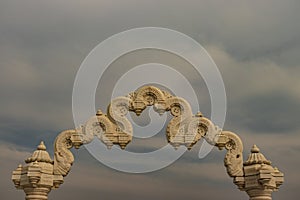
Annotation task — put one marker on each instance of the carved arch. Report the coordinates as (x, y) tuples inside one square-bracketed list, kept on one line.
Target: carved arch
[(114, 128)]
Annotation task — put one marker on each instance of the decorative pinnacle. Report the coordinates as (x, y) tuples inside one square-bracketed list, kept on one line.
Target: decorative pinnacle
[(256, 157), (255, 149), (199, 114), (41, 146), (99, 112), (40, 155)]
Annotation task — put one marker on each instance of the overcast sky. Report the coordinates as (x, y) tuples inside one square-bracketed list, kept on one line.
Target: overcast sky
[(255, 44)]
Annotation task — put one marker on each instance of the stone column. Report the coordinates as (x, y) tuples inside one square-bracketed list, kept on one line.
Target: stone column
[(36, 193), (258, 194)]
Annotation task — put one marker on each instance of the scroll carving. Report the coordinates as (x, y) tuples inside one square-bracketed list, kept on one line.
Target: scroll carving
[(63, 158), (233, 160), (148, 96)]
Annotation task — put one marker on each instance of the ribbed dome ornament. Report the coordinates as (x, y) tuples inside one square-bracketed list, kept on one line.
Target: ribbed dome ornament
[(40, 155), (256, 157)]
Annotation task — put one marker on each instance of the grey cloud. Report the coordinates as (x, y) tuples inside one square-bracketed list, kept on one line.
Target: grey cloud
[(255, 45), (274, 112), (246, 30)]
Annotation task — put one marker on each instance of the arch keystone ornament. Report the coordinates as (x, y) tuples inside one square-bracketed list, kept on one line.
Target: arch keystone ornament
[(40, 174)]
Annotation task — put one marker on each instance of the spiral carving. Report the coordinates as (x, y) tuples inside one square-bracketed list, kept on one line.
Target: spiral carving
[(233, 160)]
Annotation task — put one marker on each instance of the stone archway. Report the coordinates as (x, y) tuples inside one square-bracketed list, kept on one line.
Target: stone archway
[(256, 176)]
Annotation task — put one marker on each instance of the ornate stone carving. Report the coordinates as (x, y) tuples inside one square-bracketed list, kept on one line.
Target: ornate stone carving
[(178, 126), (148, 96), (233, 160), (184, 128), (260, 178), (113, 128), (36, 177), (63, 157)]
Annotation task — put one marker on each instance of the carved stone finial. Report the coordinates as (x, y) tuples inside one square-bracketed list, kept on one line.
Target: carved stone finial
[(99, 112), (199, 114), (40, 155), (255, 157), (41, 146), (254, 149)]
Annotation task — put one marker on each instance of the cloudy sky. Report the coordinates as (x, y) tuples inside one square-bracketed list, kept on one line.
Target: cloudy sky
[(255, 44)]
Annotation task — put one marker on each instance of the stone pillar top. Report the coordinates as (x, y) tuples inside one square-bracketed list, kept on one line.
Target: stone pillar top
[(36, 177), (260, 177)]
